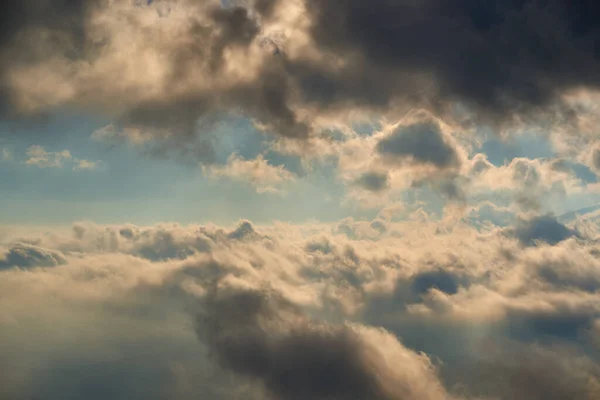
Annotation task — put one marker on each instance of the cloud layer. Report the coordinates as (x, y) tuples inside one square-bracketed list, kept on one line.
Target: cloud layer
[(359, 309), (290, 64)]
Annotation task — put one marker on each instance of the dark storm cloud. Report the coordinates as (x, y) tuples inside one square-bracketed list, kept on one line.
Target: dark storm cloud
[(421, 143), (498, 57)]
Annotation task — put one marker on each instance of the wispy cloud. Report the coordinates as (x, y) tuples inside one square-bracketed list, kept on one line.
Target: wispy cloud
[(85, 165), (39, 157), (6, 154)]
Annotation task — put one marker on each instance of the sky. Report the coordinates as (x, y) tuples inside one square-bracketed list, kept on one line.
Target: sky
[(298, 199)]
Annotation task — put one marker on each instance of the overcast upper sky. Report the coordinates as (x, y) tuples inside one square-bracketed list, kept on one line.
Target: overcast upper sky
[(300, 199)]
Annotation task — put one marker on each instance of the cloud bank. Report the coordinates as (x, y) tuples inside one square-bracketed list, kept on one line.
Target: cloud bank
[(159, 66), (378, 309)]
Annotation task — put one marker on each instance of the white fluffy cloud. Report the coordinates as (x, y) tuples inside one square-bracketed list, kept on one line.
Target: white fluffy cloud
[(258, 172)]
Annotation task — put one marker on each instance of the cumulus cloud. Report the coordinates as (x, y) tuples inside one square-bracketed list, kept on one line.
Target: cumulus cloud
[(417, 151), (529, 184), (258, 172), (420, 143), (39, 157), (542, 229), (381, 309), (28, 256)]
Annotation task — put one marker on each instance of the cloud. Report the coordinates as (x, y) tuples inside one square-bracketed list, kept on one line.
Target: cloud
[(258, 172), (85, 165), (373, 181), (39, 157), (29, 256), (542, 229), (516, 69), (220, 61), (264, 337), (383, 309), (419, 143), (590, 156), (292, 65), (418, 151), (245, 230), (6, 154), (536, 373), (529, 184)]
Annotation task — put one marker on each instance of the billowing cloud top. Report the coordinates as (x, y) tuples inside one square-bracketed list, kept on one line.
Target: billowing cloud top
[(410, 311)]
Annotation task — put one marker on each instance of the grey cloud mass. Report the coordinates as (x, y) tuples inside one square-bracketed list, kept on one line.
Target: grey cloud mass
[(501, 58), (280, 62), (535, 373)]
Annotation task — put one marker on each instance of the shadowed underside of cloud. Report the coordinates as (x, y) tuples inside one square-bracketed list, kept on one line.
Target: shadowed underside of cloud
[(373, 181), (496, 56), (264, 337), (29, 256), (542, 229), (422, 143)]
